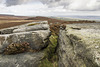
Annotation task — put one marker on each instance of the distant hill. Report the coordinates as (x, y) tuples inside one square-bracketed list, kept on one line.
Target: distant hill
[(12, 17), (55, 19), (11, 20)]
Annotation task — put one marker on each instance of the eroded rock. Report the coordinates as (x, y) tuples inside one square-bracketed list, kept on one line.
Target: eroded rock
[(32, 28), (34, 37), (79, 45)]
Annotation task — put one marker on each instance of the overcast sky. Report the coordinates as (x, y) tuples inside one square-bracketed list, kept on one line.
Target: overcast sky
[(50, 7)]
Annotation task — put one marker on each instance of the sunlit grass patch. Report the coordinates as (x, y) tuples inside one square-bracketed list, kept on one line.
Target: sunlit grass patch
[(32, 24)]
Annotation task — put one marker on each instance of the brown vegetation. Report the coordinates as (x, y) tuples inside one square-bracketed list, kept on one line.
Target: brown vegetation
[(51, 20), (16, 48), (12, 17), (10, 20)]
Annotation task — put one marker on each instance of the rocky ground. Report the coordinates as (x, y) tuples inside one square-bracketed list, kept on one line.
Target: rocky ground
[(48, 42), (79, 45), (21, 46)]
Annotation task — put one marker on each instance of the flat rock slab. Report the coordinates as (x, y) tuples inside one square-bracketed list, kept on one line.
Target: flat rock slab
[(80, 45), (36, 35), (33, 26), (21, 60)]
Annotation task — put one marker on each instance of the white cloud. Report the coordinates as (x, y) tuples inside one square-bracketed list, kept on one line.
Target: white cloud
[(84, 5), (29, 9), (74, 4), (68, 4), (50, 7)]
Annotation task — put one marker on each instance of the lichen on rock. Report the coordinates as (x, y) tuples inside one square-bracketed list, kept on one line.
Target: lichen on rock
[(79, 45)]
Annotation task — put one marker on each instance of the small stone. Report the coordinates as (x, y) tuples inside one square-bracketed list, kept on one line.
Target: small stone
[(96, 47)]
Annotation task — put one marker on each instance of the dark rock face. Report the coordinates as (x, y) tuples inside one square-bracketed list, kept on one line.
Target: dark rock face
[(79, 45)]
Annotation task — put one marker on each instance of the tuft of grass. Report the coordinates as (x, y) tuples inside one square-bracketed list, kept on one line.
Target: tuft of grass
[(33, 24)]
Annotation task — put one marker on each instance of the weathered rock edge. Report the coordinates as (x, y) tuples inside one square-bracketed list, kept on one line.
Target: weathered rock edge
[(37, 38), (35, 35), (79, 45)]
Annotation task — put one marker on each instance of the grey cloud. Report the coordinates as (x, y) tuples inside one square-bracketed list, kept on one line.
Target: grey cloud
[(15, 2), (48, 2), (54, 3), (77, 5)]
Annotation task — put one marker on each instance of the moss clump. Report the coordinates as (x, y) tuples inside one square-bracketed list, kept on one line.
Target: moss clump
[(33, 24), (51, 49), (50, 59), (47, 63)]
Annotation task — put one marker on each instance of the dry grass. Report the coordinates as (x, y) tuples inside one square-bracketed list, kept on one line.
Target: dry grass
[(11, 23), (18, 21)]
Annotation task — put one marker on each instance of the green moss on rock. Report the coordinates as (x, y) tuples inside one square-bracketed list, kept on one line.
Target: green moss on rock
[(50, 59)]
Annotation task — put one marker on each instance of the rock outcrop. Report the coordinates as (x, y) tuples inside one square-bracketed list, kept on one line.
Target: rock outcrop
[(35, 33), (37, 38), (79, 45)]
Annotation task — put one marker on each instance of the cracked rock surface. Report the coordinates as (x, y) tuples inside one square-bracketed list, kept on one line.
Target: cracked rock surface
[(79, 45), (35, 33)]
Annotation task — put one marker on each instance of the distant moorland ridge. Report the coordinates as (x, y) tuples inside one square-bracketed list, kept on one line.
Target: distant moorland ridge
[(12, 17)]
